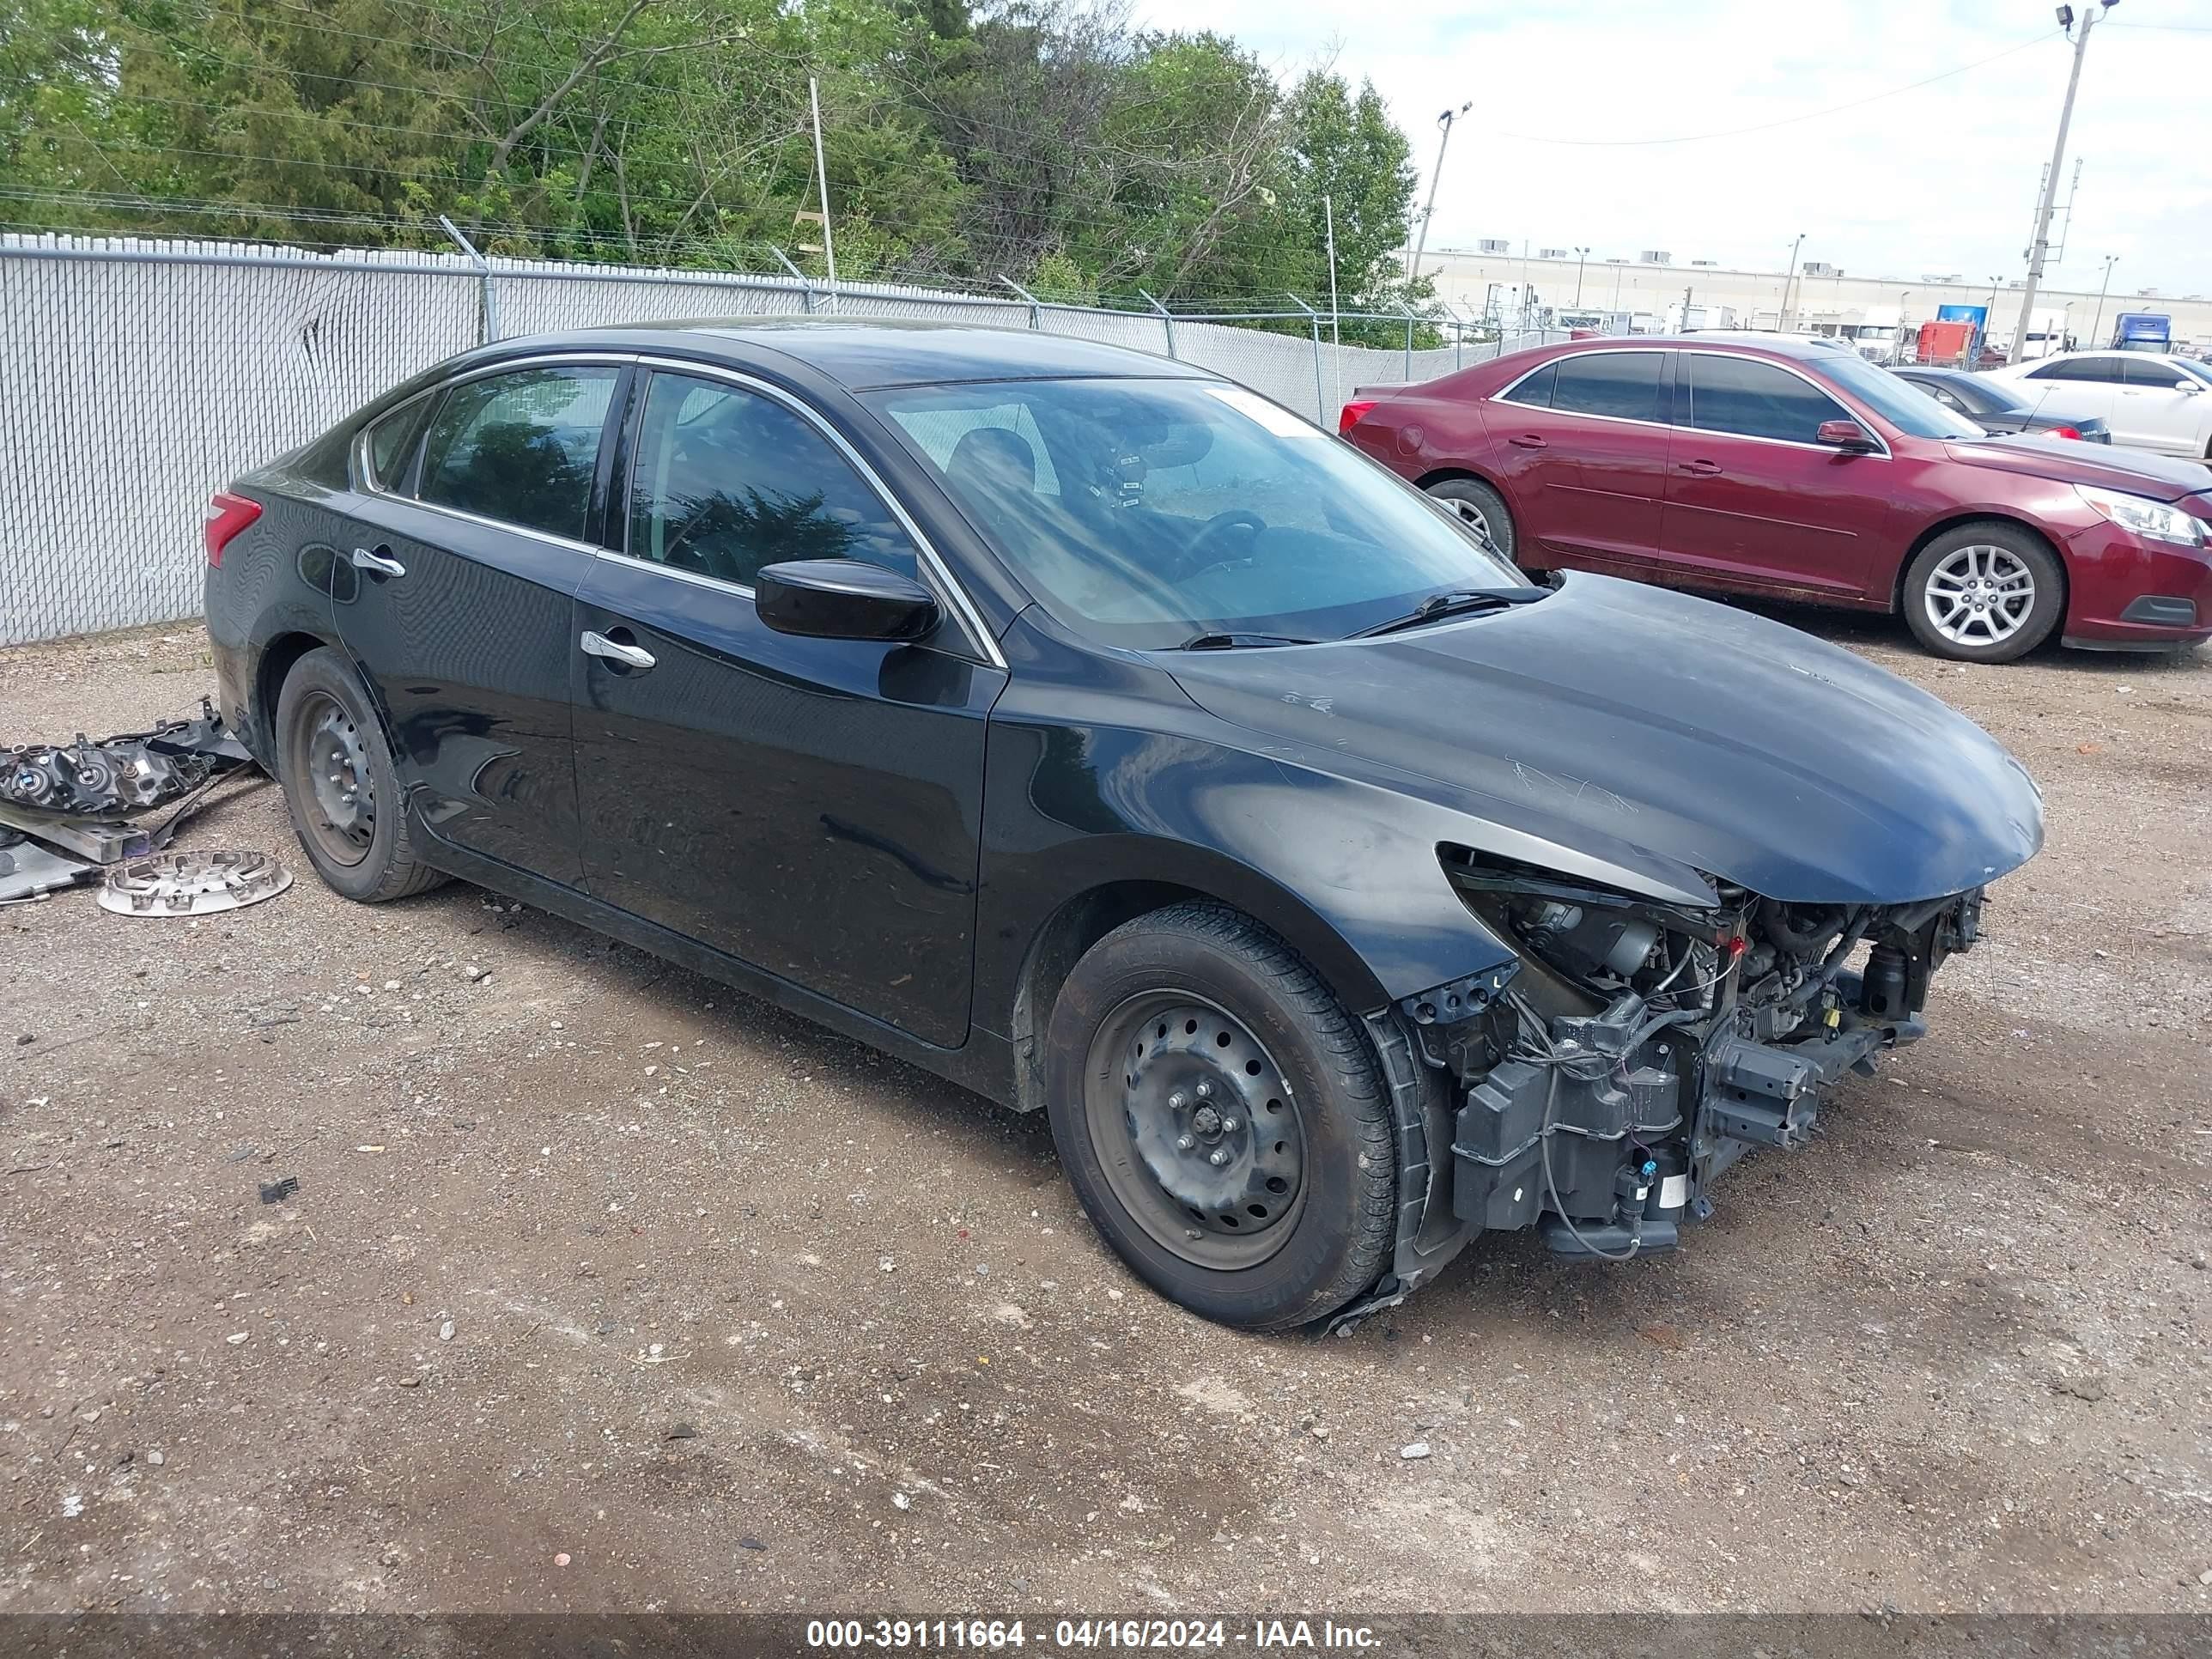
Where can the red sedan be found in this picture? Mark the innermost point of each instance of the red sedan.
(1759, 466)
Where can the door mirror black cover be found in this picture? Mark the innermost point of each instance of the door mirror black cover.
(843, 600)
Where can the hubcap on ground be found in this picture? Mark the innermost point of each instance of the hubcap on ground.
(333, 761)
(1198, 1130)
(1980, 595)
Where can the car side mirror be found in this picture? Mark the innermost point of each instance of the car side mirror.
(2188, 388)
(842, 599)
(1848, 435)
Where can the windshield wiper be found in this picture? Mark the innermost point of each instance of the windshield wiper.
(1454, 602)
(1236, 641)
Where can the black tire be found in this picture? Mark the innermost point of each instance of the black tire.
(329, 746)
(1476, 500)
(1301, 1116)
(1939, 586)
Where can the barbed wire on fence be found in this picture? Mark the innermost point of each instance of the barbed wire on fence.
(189, 362)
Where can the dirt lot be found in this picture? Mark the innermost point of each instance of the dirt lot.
(608, 1287)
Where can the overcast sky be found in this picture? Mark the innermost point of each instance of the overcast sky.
(1939, 178)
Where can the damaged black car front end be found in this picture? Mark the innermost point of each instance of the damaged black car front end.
(1636, 1049)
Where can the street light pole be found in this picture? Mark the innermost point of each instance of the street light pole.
(2096, 328)
(1789, 278)
(2039, 249)
(1580, 254)
(1445, 121)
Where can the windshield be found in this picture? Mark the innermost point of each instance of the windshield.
(1900, 403)
(2201, 371)
(1148, 512)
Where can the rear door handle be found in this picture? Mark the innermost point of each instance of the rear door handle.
(629, 656)
(1703, 469)
(378, 559)
(1528, 440)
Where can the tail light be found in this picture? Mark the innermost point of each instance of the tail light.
(1351, 415)
(2065, 431)
(226, 514)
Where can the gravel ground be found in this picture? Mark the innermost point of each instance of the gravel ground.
(607, 1288)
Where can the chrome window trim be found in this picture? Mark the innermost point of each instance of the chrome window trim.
(1881, 455)
(948, 588)
(365, 475)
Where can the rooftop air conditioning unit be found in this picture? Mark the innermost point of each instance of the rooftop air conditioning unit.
(1656, 256)
(1493, 245)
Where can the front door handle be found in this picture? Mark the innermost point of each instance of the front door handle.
(1528, 440)
(378, 560)
(1702, 468)
(629, 656)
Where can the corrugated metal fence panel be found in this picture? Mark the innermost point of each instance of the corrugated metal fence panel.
(133, 388)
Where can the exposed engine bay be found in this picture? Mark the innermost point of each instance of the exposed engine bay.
(1638, 1048)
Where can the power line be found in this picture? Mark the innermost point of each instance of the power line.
(1786, 121)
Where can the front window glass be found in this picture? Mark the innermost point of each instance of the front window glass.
(1147, 513)
(1758, 400)
(725, 481)
(521, 448)
(1905, 407)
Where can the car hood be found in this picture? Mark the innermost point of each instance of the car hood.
(2135, 470)
(1647, 731)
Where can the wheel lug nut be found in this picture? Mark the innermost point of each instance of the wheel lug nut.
(1177, 1101)
(1184, 1142)
(1219, 1157)
(1205, 1090)
(1228, 1126)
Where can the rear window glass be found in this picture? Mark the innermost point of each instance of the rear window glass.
(391, 443)
(1622, 383)
(521, 448)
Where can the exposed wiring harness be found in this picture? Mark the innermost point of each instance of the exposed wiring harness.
(1536, 1046)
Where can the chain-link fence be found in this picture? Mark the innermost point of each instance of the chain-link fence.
(139, 376)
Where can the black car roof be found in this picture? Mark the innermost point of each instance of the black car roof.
(862, 354)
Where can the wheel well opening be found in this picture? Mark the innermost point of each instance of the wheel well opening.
(279, 658)
(1074, 928)
(1960, 521)
(1444, 474)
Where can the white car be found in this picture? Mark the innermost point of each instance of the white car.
(2150, 400)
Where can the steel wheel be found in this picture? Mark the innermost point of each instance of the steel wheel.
(1217, 1171)
(1979, 595)
(328, 755)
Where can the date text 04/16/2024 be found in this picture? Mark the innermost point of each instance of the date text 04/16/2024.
(1087, 1635)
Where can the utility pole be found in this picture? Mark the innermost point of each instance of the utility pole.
(2038, 250)
(1580, 254)
(1328, 219)
(1443, 121)
(1788, 276)
(2096, 329)
(821, 182)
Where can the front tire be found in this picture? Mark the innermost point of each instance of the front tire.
(341, 788)
(1987, 591)
(1480, 506)
(1223, 1119)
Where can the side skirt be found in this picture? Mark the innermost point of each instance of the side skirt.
(984, 1063)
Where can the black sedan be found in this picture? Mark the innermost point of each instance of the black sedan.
(1089, 730)
(1996, 407)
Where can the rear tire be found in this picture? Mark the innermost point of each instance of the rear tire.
(1478, 503)
(1986, 592)
(341, 788)
(1223, 1119)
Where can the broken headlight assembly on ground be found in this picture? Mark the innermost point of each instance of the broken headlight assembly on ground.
(67, 809)
(1636, 1049)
